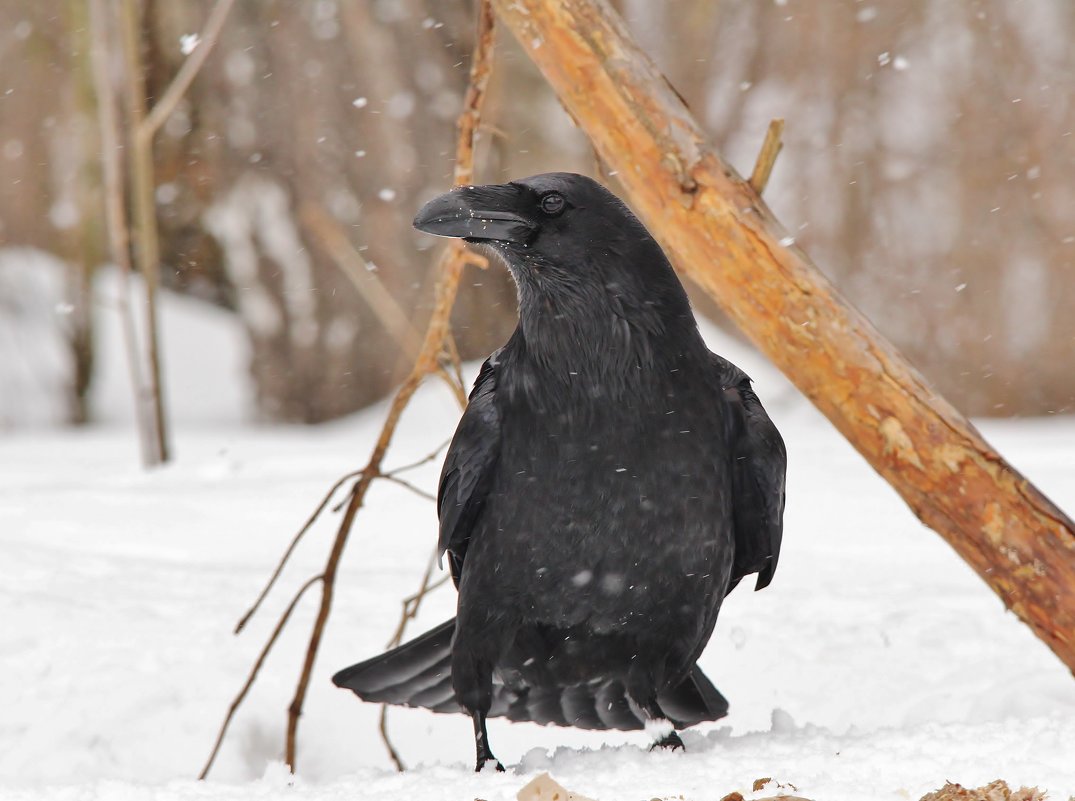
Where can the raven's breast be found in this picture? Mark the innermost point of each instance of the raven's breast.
(620, 525)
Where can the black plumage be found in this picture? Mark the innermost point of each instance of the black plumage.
(609, 483)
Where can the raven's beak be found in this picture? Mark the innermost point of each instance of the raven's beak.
(476, 213)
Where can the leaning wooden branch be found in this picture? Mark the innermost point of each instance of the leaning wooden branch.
(719, 232)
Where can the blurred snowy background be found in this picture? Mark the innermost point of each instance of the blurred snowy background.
(929, 169)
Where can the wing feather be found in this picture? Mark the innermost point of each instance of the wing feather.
(468, 468)
(759, 465)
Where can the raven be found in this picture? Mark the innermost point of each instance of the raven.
(610, 481)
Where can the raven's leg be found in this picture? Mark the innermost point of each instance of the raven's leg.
(472, 679)
(481, 744)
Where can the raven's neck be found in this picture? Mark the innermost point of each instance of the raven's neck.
(571, 350)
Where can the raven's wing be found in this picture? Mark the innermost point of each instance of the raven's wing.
(468, 468)
(759, 462)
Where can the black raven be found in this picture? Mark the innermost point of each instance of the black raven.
(609, 483)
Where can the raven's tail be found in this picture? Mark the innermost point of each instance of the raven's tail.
(419, 674)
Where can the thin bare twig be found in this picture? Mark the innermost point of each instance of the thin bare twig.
(457, 363)
(183, 79)
(411, 605)
(291, 548)
(429, 457)
(116, 215)
(449, 270)
(254, 673)
(408, 485)
(770, 149)
(382, 727)
(449, 273)
(455, 384)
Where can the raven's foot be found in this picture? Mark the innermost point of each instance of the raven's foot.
(663, 733)
(484, 762)
(670, 742)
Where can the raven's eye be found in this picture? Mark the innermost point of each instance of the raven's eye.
(552, 203)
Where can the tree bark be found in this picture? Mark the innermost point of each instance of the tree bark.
(718, 232)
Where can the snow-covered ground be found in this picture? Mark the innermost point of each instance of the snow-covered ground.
(876, 665)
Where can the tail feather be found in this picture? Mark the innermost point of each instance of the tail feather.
(405, 674)
(418, 674)
(693, 700)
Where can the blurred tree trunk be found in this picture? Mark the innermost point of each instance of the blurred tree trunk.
(927, 163)
(85, 242)
(345, 108)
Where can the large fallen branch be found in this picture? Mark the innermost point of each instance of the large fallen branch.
(719, 232)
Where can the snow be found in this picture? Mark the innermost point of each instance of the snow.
(35, 358)
(875, 666)
(205, 359)
(189, 41)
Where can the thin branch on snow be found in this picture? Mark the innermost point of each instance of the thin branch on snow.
(411, 605)
(254, 672)
(325, 501)
(429, 457)
(294, 543)
(449, 272)
(382, 727)
(434, 347)
(408, 485)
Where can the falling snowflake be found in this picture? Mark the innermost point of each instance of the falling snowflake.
(187, 43)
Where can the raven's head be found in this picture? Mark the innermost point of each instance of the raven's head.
(569, 243)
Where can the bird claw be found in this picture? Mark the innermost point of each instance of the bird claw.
(670, 742)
